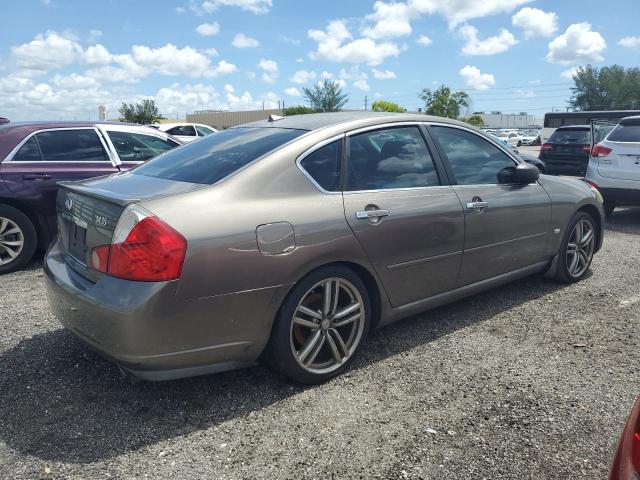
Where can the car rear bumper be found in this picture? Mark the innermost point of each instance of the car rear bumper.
(615, 190)
(146, 329)
(575, 166)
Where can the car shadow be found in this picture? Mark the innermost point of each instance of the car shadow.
(624, 220)
(62, 402)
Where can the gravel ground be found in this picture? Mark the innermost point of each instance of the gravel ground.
(532, 380)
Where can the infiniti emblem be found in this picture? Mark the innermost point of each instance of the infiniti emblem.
(68, 203)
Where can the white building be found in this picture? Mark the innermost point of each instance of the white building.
(102, 112)
(508, 120)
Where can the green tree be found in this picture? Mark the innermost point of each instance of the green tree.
(385, 106)
(607, 88)
(298, 110)
(475, 120)
(144, 112)
(442, 102)
(326, 96)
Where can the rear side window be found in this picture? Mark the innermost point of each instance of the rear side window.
(29, 152)
(570, 137)
(81, 145)
(217, 156)
(390, 158)
(137, 147)
(323, 165)
(184, 130)
(204, 131)
(625, 133)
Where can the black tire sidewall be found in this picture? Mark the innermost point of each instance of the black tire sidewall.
(278, 352)
(563, 272)
(30, 238)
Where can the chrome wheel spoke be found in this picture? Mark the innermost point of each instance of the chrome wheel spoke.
(3, 226)
(335, 335)
(12, 243)
(574, 262)
(586, 238)
(334, 349)
(311, 313)
(305, 323)
(346, 321)
(312, 343)
(580, 248)
(347, 310)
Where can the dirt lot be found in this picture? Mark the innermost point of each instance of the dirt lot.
(532, 380)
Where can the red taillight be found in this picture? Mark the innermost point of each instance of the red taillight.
(151, 252)
(546, 147)
(593, 184)
(586, 149)
(600, 151)
(626, 463)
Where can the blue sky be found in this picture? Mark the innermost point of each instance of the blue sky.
(61, 59)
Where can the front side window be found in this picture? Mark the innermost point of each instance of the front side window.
(81, 145)
(182, 130)
(474, 160)
(137, 147)
(29, 152)
(213, 158)
(204, 131)
(323, 165)
(390, 158)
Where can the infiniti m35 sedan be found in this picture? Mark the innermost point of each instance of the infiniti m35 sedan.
(290, 239)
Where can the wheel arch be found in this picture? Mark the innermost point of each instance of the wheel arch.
(597, 218)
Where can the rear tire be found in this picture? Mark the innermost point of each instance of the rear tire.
(317, 334)
(577, 248)
(18, 239)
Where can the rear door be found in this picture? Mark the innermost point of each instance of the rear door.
(506, 225)
(623, 162)
(49, 156)
(135, 145)
(401, 209)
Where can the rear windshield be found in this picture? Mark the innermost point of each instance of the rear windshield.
(215, 156)
(570, 136)
(625, 133)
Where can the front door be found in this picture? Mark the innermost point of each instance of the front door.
(51, 156)
(409, 223)
(506, 225)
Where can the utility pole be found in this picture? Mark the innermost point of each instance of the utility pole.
(365, 102)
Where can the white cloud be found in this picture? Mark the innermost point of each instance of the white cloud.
(208, 29)
(94, 36)
(292, 92)
(46, 52)
(212, 52)
(357, 78)
(171, 60)
(488, 46)
(269, 70)
(228, 88)
(326, 75)
(362, 85)
(97, 55)
(569, 73)
(289, 40)
(247, 102)
(392, 20)
(526, 93)
(383, 74)
(576, 45)
(475, 79)
(302, 76)
(629, 42)
(299, 60)
(74, 81)
(210, 6)
(337, 45)
(459, 11)
(242, 41)
(424, 40)
(535, 22)
(179, 98)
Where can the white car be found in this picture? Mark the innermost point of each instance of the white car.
(528, 138)
(614, 165)
(185, 132)
(512, 138)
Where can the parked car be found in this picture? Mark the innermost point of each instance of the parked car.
(504, 142)
(34, 156)
(533, 160)
(265, 241)
(567, 150)
(528, 138)
(185, 132)
(512, 138)
(626, 462)
(614, 166)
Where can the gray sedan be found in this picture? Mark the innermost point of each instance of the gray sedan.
(290, 239)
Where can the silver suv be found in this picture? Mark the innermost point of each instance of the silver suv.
(614, 165)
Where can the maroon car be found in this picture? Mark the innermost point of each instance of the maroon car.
(626, 463)
(34, 156)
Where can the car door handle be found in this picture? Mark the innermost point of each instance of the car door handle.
(477, 206)
(36, 176)
(365, 214)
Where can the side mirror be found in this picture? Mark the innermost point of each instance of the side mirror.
(526, 173)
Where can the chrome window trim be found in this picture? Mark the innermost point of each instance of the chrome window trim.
(9, 158)
(158, 134)
(414, 123)
(386, 190)
(308, 152)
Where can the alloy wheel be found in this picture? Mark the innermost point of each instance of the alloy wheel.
(11, 241)
(327, 325)
(580, 248)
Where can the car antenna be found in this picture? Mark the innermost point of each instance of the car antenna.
(274, 118)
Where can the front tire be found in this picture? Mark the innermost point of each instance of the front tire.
(578, 246)
(320, 326)
(18, 239)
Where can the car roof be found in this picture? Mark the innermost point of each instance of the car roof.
(631, 121)
(316, 121)
(574, 127)
(36, 124)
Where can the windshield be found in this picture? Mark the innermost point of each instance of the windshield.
(570, 136)
(214, 157)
